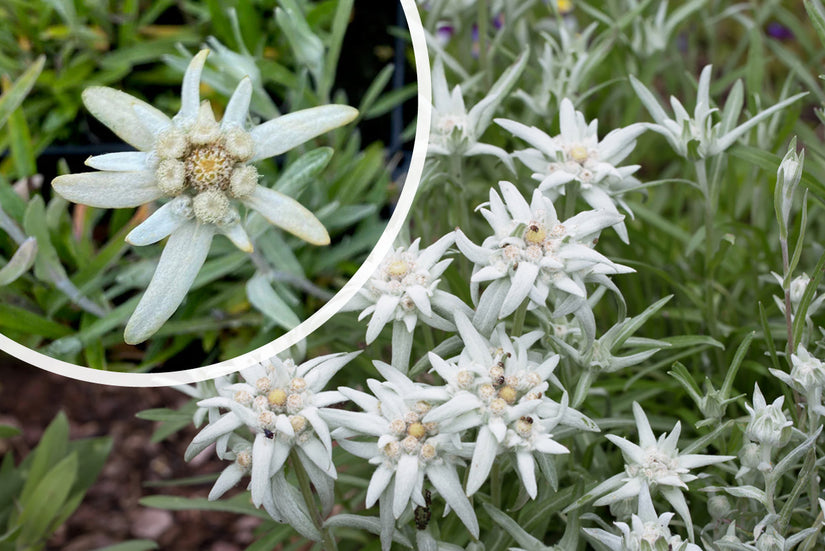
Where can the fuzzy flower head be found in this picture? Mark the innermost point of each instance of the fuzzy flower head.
(455, 130)
(768, 424)
(537, 256)
(497, 386)
(279, 402)
(202, 170)
(700, 136)
(577, 155)
(646, 532)
(807, 376)
(654, 464)
(405, 447)
(404, 289)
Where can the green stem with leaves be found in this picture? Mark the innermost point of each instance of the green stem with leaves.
(328, 541)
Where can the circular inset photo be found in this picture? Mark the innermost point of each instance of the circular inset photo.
(188, 183)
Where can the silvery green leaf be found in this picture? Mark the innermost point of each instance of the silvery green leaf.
(293, 507)
(334, 216)
(525, 540)
(749, 492)
(790, 459)
(20, 262)
(180, 262)
(360, 522)
(264, 298)
(308, 48)
(303, 170)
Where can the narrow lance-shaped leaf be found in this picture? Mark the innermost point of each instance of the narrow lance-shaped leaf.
(14, 96)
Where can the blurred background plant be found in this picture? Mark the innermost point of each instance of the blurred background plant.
(85, 279)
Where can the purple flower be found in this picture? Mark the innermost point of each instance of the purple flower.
(779, 31)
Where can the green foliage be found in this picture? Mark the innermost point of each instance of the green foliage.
(85, 280)
(40, 493)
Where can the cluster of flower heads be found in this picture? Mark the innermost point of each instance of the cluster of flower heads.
(202, 169)
(276, 411)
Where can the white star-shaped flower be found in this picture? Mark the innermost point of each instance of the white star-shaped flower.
(497, 387)
(699, 136)
(646, 531)
(535, 255)
(653, 464)
(280, 403)
(577, 155)
(456, 131)
(202, 169)
(405, 289)
(405, 448)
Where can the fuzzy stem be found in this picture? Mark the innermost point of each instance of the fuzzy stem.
(786, 286)
(327, 542)
(457, 178)
(483, 29)
(518, 319)
(495, 485)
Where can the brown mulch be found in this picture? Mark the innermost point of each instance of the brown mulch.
(110, 513)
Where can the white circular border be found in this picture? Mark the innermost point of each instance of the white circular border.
(382, 247)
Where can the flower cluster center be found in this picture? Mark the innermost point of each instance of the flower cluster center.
(209, 167)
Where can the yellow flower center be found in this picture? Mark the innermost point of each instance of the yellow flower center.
(209, 167)
(276, 397)
(417, 430)
(397, 269)
(508, 394)
(578, 153)
(565, 6)
(535, 234)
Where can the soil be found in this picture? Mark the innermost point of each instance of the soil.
(110, 513)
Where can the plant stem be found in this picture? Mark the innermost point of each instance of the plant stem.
(457, 177)
(710, 211)
(483, 29)
(327, 542)
(786, 286)
(518, 319)
(495, 484)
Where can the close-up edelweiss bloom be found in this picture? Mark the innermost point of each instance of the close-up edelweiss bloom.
(653, 464)
(646, 532)
(577, 155)
(455, 130)
(536, 256)
(499, 387)
(280, 403)
(404, 447)
(405, 289)
(202, 169)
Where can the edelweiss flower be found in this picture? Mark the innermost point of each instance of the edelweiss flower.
(699, 137)
(497, 387)
(534, 255)
(645, 533)
(455, 131)
(653, 464)
(797, 289)
(279, 403)
(565, 66)
(404, 289)
(577, 155)
(807, 376)
(202, 168)
(407, 450)
(768, 424)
